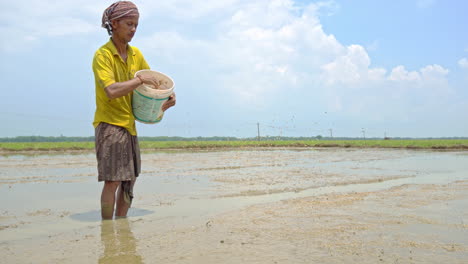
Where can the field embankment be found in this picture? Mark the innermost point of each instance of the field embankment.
(437, 144)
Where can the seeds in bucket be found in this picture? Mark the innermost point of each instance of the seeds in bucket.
(162, 85)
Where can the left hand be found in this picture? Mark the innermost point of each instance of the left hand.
(169, 103)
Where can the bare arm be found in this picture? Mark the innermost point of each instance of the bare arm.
(120, 89)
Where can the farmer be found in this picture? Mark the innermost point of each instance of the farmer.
(114, 67)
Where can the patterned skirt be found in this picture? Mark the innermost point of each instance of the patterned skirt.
(117, 153)
(118, 156)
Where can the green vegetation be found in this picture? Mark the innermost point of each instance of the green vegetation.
(154, 145)
(46, 145)
(46, 139)
(414, 143)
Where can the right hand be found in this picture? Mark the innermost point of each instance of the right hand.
(149, 80)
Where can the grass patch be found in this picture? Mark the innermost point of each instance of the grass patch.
(409, 144)
(46, 146)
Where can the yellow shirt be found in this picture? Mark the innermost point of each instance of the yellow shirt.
(109, 68)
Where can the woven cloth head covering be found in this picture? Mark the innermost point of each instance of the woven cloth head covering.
(118, 10)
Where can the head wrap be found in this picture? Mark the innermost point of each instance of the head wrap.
(118, 10)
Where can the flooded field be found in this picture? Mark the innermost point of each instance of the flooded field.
(242, 206)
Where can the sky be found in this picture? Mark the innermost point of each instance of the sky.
(349, 68)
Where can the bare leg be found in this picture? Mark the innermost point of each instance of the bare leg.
(108, 199)
(122, 207)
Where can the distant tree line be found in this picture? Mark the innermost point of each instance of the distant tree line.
(85, 139)
(164, 138)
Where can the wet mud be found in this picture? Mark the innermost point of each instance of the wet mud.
(252, 206)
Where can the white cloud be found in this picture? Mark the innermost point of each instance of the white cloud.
(263, 45)
(265, 48)
(376, 74)
(30, 21)
(427, 74)
(463, 63)
(350, 68)
(185, 10)
(254, 51)
(431, 72)
(399, 73)
(265, 38)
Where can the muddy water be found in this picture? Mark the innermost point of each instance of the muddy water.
(255, 206)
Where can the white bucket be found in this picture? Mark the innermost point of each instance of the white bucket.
(147, 101)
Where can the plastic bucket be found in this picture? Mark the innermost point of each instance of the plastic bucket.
(147, 101)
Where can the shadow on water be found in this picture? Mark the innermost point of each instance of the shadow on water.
(119, 244)
(95, 215)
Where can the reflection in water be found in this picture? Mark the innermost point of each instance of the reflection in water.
(118, 242)
(95, 215)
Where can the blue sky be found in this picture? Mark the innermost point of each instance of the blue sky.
(298, 68)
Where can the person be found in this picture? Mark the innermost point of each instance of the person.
(116, 143)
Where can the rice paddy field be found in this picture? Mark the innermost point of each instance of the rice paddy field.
(241, 202)
(459, 144)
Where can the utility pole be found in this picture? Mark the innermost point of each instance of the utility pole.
(258, 131)
(331, 132)
(363, 133)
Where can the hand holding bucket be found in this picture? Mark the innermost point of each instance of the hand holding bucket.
(148, 99)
